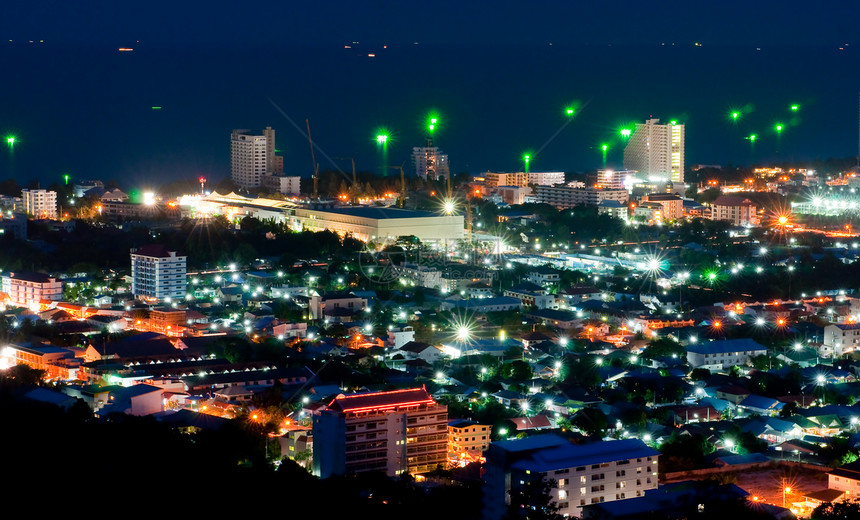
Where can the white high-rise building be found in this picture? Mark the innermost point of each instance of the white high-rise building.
(40, 203)
(157, 273)
(251, 157)
(656, 151)
(429, 163)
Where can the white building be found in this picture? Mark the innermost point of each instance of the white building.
(546, 178)
(582, 473)
(40, 203)
(563, 197)
(657, 151)
(27, 289)
(157, 273)
(378, 224)
(281, 184)
(251, 157)
(840, 338)
(429, 163)
(719, 355)
(615, 179)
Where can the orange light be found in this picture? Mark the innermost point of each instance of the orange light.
(717, 324)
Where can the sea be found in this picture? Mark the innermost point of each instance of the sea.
(152, 115)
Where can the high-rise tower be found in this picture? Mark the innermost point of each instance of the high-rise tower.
(657, 151)
(251, 156)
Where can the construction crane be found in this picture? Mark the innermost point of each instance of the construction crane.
(313, 159)
(402, 183)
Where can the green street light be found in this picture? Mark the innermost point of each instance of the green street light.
(794, 108)
(625, 132)
(10, 140)
(752, 138)
(605, 147)
(569, 111)
(381, 139)
(778, 127)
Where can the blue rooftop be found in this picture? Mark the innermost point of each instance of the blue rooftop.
(725, 346)
(551, 452)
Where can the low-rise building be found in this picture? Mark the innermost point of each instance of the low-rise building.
(673, 205)
(565, 197)
(840, 338)
(739, 211)
(28, 289)
(580, 474)
(718, 355)
(40, 203)
(467, 441)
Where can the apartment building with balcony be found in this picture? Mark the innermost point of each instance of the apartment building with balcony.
(395, 432)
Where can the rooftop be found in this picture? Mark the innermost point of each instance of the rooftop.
(153, 251)
(379, 213)
(379, 401)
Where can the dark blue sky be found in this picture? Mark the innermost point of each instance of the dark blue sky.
(750, 22)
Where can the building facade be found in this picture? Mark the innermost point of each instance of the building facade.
(494, 180)
(251, 157)
(656, 151)
(157, 273)
(615, 179)
(40, 203)
(429, 162)
(737, 210)
(579, 474)
(673, 206)
(565, 197)
(546, 178)
(396, 432)
(467, 440)
(378, 224)
(717, 355)
(842, 337)
(26, 289)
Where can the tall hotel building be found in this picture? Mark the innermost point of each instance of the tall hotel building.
(429, 162)
(251, 157)
(394, 432)
(656, 151)
(157, 273)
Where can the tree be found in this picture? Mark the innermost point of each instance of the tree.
(533, 501)
(844, 509)
(700, 374)
(590, 420)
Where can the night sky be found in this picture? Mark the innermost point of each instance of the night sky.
(498, 73)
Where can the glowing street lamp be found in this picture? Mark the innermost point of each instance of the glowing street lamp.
(625, 132)
(10, 141)
(381, 139)
(526, 159)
